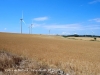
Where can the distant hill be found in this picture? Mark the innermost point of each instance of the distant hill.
(81, 35)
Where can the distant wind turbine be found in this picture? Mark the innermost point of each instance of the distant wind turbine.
(21, 22)
(49, 32)
(92, 33)
(31, 26)
(29, 29)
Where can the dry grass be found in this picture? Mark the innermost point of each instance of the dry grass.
(76, 57)
(16, 65)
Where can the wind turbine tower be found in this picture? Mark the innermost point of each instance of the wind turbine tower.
(31, 28)
(21, 22)
(49, 32)
(21, 25)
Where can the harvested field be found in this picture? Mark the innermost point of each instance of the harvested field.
(76, 57)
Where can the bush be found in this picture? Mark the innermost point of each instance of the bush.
(95, 38)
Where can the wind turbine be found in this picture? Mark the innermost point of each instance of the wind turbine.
(85, 34)
(49, 32)
(21, 22)
(31, 26)
(92, 33)
(29, 29)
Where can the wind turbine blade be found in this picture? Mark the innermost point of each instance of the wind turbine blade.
(24, 22)
(22, 14)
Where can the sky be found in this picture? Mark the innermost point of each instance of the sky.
(63, 17)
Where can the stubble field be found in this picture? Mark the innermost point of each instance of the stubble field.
(78, 57)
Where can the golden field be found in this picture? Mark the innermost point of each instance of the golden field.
(77, 56)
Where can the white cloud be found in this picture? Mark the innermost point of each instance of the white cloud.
(63, 33)
(5, 28)
(36, 25)
(33, 25)
(41, 19)
(96, 20)
(66, 26)
(72, 27)
(94, 1)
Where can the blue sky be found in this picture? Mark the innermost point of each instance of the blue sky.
(58, 16)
